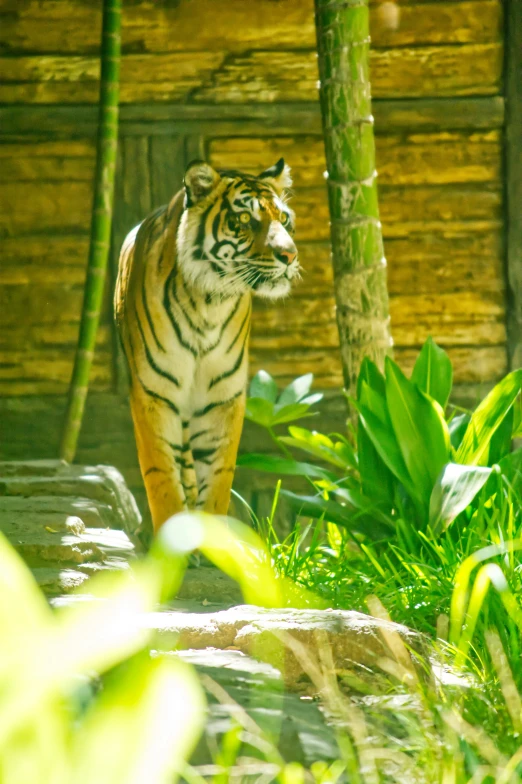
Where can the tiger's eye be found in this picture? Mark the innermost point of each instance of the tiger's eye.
(283, 218)
(244, 217)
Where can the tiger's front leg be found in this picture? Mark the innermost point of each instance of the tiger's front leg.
(160, 446)
(214, 441)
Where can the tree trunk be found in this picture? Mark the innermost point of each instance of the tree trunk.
(357, 251)
(100, 225)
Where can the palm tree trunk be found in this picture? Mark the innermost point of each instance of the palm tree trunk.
(357, 251)
(100, 225)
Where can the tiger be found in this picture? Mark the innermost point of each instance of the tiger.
(186, 277)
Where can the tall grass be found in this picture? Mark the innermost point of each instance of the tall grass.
(447, 565)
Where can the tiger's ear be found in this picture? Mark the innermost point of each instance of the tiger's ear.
(278, 176)
(200, 180)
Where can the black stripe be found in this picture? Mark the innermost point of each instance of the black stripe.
(150, 358)
(147, 313)
(199, 433)
(154, 470)
(194, 306)
(224, 471)
(217, 220)
(223, 327)
(155, 396)
(183, 463)
(175, 325)
(210, 406)
(203, 455)
(191, 324)
(247, 316)
(187, 292)
(217, 269)
(201, 228)
(178, 448)
(233, 370)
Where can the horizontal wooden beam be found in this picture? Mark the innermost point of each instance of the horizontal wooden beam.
(72, 26)
(247, 119)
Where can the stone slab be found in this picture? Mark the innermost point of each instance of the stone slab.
(55, 477)
(351, 636)
(67, 522)
(293, 725)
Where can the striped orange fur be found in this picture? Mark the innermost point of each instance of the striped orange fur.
(183, 305)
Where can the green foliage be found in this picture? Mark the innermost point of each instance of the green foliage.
(433, 373)
(422, 516)
(491, 415)
(395, 726)
(144, 723)
(426, 514)
(339, 453)
(455, 488)
(414, 465)
(136, 730)
(265, 408)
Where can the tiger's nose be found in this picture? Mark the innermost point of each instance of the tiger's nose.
(286, 256)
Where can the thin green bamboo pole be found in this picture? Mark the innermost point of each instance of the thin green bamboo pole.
(343, 43)
(100, 225)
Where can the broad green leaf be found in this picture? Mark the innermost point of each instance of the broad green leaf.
(517, 419)
(372, 376)
(91, 636)
(320, 446)
(348, 517)
(511, 468)
(375, 419)
(263, 386)
(457, 427)
(283, 466)
(144, 727)
(296, 391)
(454, 490)
(290, 413)
(260, 411)
(311, 399)
(500, 444)
(238, 551)
(433, 373)
(344, 449)
(98, 634)
(377, 480)
(420, 429)
(462, 584)
(41, 751)
(487, 418)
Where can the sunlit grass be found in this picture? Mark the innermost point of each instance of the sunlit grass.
(462, 590)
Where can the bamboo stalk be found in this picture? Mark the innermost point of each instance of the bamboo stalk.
(100, 225)
(359, 265)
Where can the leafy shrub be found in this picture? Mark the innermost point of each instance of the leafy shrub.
(415, 459)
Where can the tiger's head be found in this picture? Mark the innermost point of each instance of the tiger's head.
(235, 232)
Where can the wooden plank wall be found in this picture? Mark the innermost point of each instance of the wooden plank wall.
(237, 82)
(441, 187)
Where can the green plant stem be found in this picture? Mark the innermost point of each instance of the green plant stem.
(281, 446)
(359, 265)
(100, 225)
